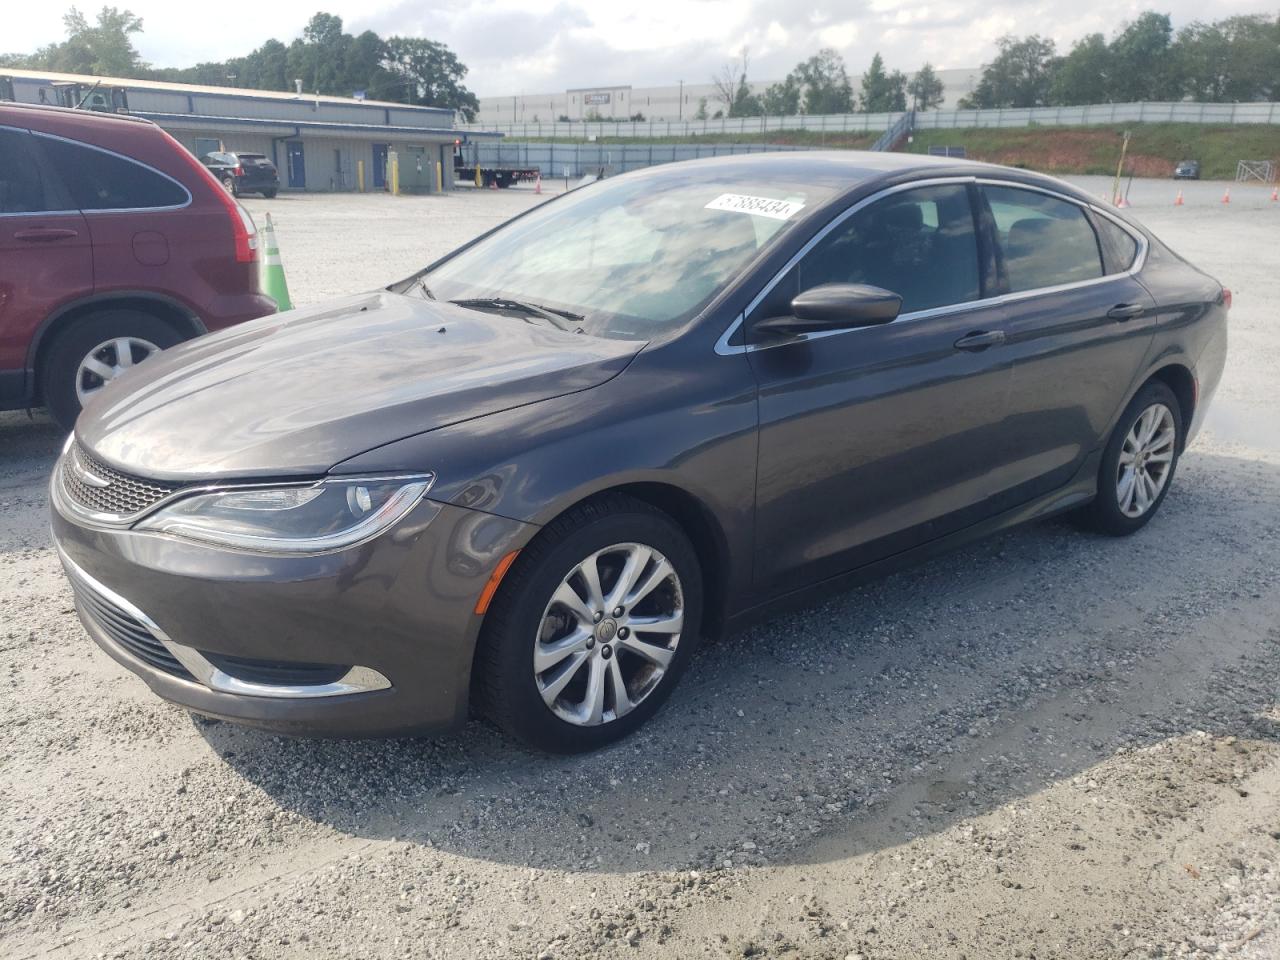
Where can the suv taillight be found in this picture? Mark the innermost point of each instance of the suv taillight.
(243, 229)
(238, 171)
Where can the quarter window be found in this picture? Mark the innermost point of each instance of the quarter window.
(1119, 249)
(103, 181)
(920, 244)
(20, 188)
(1045, 241)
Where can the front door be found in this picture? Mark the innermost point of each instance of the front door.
(297, 165)
(874, 440)
(380, 166)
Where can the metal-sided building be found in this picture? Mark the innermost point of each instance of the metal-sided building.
(317, 142)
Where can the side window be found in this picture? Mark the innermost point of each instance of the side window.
(1045, 241)
(20, 188)
(920, 244)
(1119, 249)
(104, 181)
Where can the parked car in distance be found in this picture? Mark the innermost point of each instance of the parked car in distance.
(114, 243)
(528, 479)
(241, 173)
(1187, 170)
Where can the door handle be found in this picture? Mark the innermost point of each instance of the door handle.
(980, 340)
(1126, 311)
(45, 234)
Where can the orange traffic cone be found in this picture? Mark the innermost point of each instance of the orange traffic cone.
(1226, 196)
(537, 184)
(1177, 201)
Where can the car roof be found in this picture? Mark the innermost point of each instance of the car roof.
(18, 113)
(848, 171)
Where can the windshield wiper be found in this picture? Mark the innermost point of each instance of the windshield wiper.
(556, 318)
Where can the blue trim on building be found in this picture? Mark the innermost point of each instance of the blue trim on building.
(370, 128)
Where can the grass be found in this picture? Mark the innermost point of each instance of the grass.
(1153, 149)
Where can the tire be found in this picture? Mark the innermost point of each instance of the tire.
(525, 618)
(71, 346)
(270, 194)
(1113, 511)
(229, 184)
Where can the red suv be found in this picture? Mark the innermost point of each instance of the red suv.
(115, 242)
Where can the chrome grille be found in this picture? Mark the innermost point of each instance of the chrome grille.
(128, 632)
(93, 485)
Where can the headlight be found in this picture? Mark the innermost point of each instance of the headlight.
(313, 518)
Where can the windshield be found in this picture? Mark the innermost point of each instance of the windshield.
(633, 257)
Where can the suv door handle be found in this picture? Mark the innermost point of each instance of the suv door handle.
(45, 234)
(980, 340)
(1126, 311)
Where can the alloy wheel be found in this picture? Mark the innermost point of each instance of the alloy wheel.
(1145, 460)
(608, 634)
(107, 361)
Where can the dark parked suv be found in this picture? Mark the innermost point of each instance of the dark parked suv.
(242, 173)
(114, 243)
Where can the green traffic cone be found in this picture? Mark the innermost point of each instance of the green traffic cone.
(272, 270)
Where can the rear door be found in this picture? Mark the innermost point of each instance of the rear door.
(45, 253)
(1079, 326)
(874, 440)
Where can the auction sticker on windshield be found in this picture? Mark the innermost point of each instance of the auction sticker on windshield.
(756, 206)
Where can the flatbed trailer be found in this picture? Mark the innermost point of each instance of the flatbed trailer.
(468, 170)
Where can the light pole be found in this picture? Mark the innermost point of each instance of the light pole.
(680, 100)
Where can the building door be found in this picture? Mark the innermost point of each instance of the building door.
(380, 166)
(297, 165)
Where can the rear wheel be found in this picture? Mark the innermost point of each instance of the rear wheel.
(229, 184)
(591, 628)
(1138, 463)
(93, 351)
(270, 194)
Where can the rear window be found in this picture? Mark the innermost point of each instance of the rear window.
(20, 188)
(1046, 242)
(97, 180)
(252, 157)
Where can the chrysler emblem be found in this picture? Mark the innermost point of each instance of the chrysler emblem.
(86, 476)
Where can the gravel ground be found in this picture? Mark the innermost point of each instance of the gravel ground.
(1047, 745)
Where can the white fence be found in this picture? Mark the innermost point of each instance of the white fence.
(1102, 113)
(580, 159)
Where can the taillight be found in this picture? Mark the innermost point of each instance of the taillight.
(238, 171)
(243, 230)
(1226, 298)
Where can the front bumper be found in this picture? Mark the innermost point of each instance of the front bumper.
(397, 613)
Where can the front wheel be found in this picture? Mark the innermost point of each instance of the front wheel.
(592, 627)
(1138, 463)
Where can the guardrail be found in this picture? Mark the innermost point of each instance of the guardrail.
(879, 123)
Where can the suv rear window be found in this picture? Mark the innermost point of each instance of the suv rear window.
(97, 180)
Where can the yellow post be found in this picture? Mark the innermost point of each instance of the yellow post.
(439, 178)
(478, 174)
(395, 175)
(360, 175)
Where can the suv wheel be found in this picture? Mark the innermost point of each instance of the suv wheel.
(591, 628)
(1138, 463)
(229, 183)
(270, 194)
(93, 351)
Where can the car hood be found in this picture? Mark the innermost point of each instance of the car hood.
(295, 393)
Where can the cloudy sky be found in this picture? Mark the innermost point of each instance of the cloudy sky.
(513, 46)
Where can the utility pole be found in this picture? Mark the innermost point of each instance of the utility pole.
(681, 100)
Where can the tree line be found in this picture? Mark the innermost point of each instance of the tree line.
(822, 84)
(1236, 59)
(325, 58)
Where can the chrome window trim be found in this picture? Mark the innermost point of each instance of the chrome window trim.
(358, 679)
(724, 348)
(120, 156)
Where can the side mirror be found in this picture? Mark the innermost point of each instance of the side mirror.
(835, 306)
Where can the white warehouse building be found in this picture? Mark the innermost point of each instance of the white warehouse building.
(674, 102)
